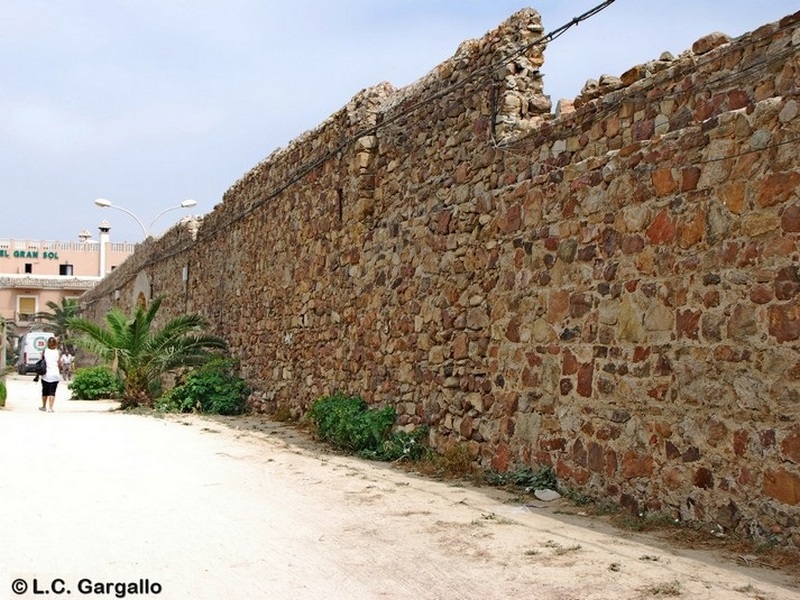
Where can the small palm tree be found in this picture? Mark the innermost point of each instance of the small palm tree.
(59, 316)
(141, 355)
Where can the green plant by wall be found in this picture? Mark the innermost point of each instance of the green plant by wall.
(348, 423)
(544, 478)
(212, 388)
(3, 393)
(93, 383)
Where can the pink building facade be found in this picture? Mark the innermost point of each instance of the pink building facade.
(33, 273)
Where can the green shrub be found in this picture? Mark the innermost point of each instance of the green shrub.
(348, 423)
(212, 388)
(3, 393)
(93, 383)
(401, 445)
(544, 478)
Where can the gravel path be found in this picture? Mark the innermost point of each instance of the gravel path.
(185, 507)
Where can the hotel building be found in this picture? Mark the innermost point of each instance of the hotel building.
(33, 273)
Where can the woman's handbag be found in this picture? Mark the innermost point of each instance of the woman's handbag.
(41, 366)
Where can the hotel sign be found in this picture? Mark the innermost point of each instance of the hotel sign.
(29, 254)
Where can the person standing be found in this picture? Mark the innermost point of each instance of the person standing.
(52, 358)
(66, 365)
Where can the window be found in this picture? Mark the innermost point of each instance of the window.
(29, 267)
(65, 269)
(26, 308)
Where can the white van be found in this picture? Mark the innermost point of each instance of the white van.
(29, 351)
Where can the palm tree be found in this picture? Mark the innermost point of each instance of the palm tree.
(59, 317)
(139, 354)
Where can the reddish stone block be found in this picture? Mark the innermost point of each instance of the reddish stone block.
(632, 244)
(787, 283)
(662, 229)
(711, 299)
(663, 366)
(761, 294)
(563, 470)
(501, 458)
(688, 324)
(557, 306)
(511, 219)
(579, 305)
(585, 377)
(738, 99)
(596, 457)
(580, 476)
(443, 222)
(689, 178)
(790, 219)
(794, 372)
(790, 447)
(745, 477)
(569, 363)
(530, 378)
(691, 232)
(635, 465)
(671, 450)
(767, 438)
(784, 321)
(692, 454)
(579, 454)
(640, 353)
(782, 485)
(703, 478)
(553, 444)
(732, 195)
(611, 462)
(777, 187)
(663, 182)
(741, 438)
(512, 331)
(565, 386)
(643, 130)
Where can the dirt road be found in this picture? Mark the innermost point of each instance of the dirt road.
(96, 503)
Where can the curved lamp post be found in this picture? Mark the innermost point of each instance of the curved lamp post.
(103, 203)
(184, 204)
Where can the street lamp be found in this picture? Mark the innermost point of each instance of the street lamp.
(184, 204)
(103, 203)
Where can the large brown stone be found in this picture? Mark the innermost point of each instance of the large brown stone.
(662, 229)
(782, 485)
(708, 42)
(635, 465)
(585, 379)
(784, 321)
(790, 219)
(777, 187)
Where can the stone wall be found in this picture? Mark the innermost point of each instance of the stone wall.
(612, 291)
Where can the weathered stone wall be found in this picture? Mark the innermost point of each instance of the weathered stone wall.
(612, 291)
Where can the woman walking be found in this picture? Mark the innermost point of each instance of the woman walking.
(52, 358)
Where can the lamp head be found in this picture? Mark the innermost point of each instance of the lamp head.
(188, 203)
(103, 203)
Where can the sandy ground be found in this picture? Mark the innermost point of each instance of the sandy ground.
(186, 507)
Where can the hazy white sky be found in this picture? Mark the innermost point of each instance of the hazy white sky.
(150, 102)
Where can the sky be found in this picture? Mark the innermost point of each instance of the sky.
(147, 103)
